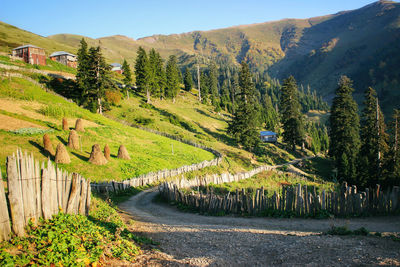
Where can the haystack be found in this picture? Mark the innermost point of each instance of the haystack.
(48, 147)
(107, 153)
(73, 140)
(62, 154)
(123, 153)
(65, 124)
(96, 157)
(79, 126)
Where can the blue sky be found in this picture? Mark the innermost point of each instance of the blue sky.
(98, 18)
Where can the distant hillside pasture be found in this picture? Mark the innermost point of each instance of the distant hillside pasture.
(149, 152)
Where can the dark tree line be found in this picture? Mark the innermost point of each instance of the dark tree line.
(153, 78)
(364, 151)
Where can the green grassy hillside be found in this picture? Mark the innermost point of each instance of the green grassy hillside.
(25, 105)
(362, 44)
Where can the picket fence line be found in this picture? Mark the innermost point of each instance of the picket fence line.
(36, 191)
(154, 177)
(150, 178)
(293, 200)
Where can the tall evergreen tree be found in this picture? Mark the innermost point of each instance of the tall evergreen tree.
(244, 126)
(291, 117)
(204, 90)
(127, 76)
(172, 81)
(142, 72)
(82, 75)
(344, 135)
(188, 80)
(393, 162)
(269, 114)
(98, 80)
(213, 84)
(374, 140)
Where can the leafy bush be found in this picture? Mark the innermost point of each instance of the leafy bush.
(113, 97)
(73, 240)
(30, 131)
(143, 120)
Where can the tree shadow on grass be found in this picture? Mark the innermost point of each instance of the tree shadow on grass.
(222, 137)
(81, 157)
(208, 115)
(62, 140)
(41, 149)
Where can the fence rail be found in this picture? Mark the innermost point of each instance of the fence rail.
(151, 178)
(36, 191)
(297, 200)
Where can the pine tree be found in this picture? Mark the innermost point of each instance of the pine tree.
(82, 75)
(204, 90)
(142, 72)
(374, 140)
(127, 76)
(172, 81)
(344, 135)
(291, 117)
(213, 84)
(188, 80)
(393, 162)
(245, 123)
(269, 114)
(98, 80)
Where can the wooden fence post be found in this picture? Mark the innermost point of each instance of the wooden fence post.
(15, 197)
(5, 227)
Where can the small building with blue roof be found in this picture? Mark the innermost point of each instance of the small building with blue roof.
(268, 136)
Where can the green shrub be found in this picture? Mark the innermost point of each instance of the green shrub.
(30, 131)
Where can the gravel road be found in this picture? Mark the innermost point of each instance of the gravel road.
(188, 239)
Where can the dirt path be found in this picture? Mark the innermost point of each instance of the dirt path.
(196, 240)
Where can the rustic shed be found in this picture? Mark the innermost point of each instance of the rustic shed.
(30, 54)
(268, 136)
(116, 67)
(65, 58)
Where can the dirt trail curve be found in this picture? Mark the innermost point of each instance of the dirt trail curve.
(195, 240)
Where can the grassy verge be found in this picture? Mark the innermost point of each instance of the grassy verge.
(149, 152)
(74, 240)
(271, 181)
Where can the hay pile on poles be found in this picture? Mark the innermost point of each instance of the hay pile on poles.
(48, 147)
(96, 157)
(73, 140)
(123, 153)
(65, 124)
(79, 125)
(62, 154)
(107, 152)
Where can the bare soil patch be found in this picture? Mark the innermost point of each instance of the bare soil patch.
(188, 239)
(31, 109)
(9, 123)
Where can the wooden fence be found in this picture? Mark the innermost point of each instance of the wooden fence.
(151, 177)
(294, 200)
(36, 191)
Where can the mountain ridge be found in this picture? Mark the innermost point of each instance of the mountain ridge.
(316, 51)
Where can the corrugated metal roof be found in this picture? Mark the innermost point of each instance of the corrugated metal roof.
(267, 133)
(60, 53)
(25, 46)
